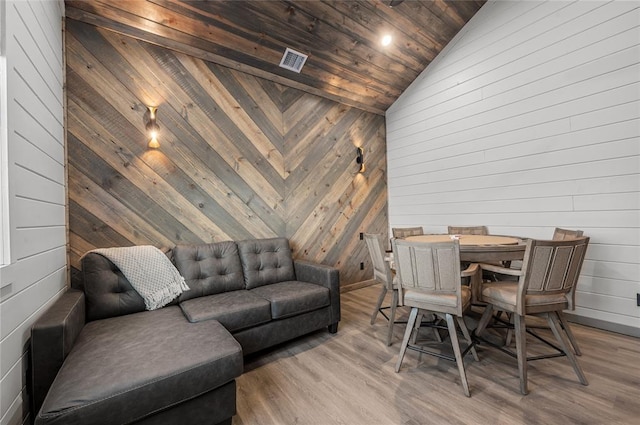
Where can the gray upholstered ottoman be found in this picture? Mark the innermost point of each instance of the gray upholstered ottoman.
(133, 368)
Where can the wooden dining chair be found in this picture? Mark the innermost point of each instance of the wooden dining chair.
(467, 230)
(562, 234)
(546, 286)
(383, 274)
(403, 232)
(430, 283)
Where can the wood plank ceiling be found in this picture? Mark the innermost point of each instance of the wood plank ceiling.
(347, 62)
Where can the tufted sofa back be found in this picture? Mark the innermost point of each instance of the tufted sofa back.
(266, 261)
(209, 269)
(108, 293)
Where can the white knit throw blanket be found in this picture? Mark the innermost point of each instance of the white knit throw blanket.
(149, 271)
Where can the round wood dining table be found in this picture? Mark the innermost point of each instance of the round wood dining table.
(481, 248)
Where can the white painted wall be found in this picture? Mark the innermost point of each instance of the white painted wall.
(35, 270)
(530, 119)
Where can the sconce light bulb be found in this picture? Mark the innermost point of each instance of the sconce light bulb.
(360, 159)
(386, 40)
(152, 127)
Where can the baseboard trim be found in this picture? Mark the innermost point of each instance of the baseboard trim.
(601, 324)
(357, 285)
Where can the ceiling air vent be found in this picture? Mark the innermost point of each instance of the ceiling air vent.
(293, 60)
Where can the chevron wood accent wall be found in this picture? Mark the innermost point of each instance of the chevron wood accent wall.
(240, 157)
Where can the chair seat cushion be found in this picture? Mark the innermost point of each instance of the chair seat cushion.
(505, 294)
(125, 368)
(236, 310)
(431, 300)
(293, 297)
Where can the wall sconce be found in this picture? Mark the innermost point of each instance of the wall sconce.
(153, 128)
(360, 159)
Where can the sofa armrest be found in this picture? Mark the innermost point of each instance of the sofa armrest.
(326, 276)
(52, 337)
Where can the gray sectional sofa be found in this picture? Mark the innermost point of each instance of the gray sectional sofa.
(98, 357)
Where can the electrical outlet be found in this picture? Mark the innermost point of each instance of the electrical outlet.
(362, 268)
(361, 236)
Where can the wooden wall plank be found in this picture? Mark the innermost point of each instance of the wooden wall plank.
(110, 210)
(181, 123)
(159, 205)
(226, 92)
(93, 229)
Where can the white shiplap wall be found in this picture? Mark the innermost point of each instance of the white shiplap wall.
(530, 120)
(36, 272)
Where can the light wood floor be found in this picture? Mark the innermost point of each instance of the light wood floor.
(348, 378)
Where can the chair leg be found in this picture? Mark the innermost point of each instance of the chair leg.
(467, 336)
(431, 317)
(509, 336)
(407, 334)
(436, 332)
(567, 329)
(416, 326)
(521, 350)
(484, 320)
(392, 316)
(554, 324)
(378, 304)
(456, 350)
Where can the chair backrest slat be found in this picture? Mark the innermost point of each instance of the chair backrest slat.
(576, 265)
(553, 266)
(562, 234)
(381, 269)
(433, 267)
(467, 230)
(403, 232)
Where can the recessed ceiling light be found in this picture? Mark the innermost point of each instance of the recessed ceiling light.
(386, 40)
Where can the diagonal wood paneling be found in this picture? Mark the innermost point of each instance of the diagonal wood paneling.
(240, 157)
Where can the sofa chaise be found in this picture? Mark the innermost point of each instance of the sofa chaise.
(99, 357)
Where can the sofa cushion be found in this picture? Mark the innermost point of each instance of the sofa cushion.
(125, 368)
(209, 269)
(293, 297)
(266, 261)
(235, 310)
